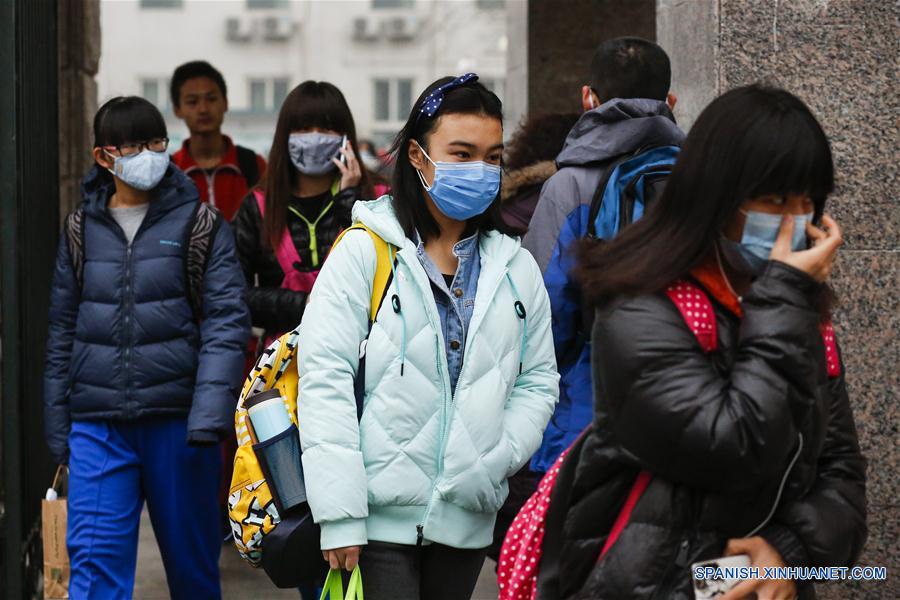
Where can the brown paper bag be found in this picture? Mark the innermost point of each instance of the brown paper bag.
(56, 558)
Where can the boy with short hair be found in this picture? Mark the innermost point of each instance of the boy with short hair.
(627, 106)
(222, 170)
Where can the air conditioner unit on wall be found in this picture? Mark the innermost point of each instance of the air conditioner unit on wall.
(402, 28)
(238, 29)
(364, 29)
(278, 28)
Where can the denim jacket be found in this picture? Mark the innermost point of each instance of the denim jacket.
(456, 303)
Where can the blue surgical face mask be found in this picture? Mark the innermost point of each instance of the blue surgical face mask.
(312, 152)
(462, 190)
(760, 233)
(141, 171)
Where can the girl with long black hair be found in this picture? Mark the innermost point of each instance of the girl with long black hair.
(285, 228)
(460, 376)
(747, 438)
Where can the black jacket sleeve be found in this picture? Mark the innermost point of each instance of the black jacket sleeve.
(827, 526)
(668, 407)
(272, 307)
(64, 299)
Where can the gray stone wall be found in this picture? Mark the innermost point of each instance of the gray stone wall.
(79, 55)
(841, 57)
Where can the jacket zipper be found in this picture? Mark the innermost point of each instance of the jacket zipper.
(680, 558)
(442, 444)
(128, 297)
(445, 377)
(312, 227)
(211, 186)
(445, 413)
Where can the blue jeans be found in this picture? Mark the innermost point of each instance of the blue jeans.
(113, 468)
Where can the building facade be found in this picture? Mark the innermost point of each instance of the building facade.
(380, 53)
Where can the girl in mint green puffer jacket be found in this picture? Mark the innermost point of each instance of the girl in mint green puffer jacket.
(460, 372)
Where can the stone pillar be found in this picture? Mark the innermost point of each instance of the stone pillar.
(841, 57)
(79, 56)
(559, 42)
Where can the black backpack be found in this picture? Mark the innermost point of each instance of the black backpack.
(246, 159)
(199, 236)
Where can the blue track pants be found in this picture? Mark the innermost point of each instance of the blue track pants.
(113, 468)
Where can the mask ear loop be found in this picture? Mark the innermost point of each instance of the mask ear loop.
(114, 159)
(419, 172)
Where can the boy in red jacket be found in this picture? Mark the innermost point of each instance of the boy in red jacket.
(222, 171)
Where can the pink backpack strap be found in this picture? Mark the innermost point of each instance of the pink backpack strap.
(637, 489)
(287, 256)
(832, 360)
(381, 189)
(697, 312)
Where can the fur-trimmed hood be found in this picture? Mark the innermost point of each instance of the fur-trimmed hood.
(514, 181)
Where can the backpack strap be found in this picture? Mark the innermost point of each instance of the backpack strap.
(646, 170)
(634, 494)
(246, 159)
(696, 310)
(74, 229)
(385, 256)
(286, 253)
(832, 358)
(204, 223)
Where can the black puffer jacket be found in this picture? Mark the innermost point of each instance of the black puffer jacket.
(271, 307)
(718, 432)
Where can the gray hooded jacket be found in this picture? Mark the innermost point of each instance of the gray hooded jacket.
(600, 136)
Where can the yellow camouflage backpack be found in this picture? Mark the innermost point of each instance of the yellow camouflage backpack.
(251, 507)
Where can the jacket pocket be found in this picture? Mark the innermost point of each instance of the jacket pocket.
(473, 479)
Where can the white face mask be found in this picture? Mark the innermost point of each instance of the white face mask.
(141, 171)
(591, 100)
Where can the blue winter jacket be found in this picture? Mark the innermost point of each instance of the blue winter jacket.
(620, 126)
(127, 345)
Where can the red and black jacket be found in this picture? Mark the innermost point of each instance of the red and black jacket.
(225, 185)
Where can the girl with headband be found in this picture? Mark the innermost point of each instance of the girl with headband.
(460, 378)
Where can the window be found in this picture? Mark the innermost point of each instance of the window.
(161, 3)
(268, 3)
(156, 90)
(257, 95)
(490, 4)
(382, 100)
(393, 99)
(404, 98)
(267, 95)
(279, 92)
(393, 3)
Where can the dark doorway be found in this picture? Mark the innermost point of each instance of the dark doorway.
(29, 226)
(561, 41)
